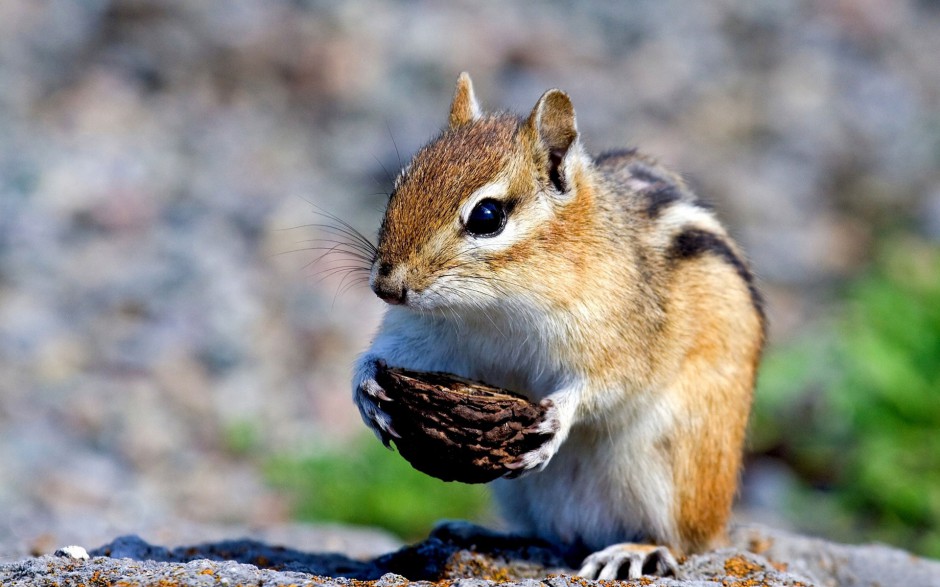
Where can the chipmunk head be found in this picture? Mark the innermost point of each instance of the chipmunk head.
(477, 205)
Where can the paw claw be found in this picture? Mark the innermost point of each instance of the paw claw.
(538, 459)
(547, 426)
(533, 460)
(629, 561)
(367, 394)
(373, 389)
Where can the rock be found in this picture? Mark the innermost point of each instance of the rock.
(73, 552)
(759, 556)
(828, 563)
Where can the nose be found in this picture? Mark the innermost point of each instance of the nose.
(387, 287)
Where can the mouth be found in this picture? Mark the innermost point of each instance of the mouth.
(396, 298)
(416, 301)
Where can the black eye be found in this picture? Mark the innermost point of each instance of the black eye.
(487, 218)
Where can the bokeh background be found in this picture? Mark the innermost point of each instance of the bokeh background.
(171, 352)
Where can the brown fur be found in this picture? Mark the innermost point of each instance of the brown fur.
(707, 448)
(463, 109)
(440, 177)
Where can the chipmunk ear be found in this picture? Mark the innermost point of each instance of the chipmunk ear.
(553, 123)
(465, 108)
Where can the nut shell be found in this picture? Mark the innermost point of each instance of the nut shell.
(456, 429)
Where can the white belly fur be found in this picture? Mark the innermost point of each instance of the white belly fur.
(603, 487)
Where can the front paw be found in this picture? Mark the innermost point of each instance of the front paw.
(367, 393)
(552, 425)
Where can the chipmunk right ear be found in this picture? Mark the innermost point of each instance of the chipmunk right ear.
(465, 108)
(553, 122)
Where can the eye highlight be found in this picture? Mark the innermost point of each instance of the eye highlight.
(487, 218)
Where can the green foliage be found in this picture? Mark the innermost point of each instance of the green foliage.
(241, 438)
(857, 412)
(369, 485)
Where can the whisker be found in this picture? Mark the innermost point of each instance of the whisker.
(332, 267)
(341, 289)
(366, 264)
(475, 303)
(350, 229)
(347, 231)
(338, 247)
(338, 243)
(394, 144)
(388, 175)
(327, 272)
(346, 253)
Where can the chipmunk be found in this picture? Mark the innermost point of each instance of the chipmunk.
(601, 287)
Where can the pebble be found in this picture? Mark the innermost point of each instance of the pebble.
(73, 551)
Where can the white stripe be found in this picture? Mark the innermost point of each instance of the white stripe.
(682, 216)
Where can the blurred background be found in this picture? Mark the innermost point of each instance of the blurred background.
(170, 351)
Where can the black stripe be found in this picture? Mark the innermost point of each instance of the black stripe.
(694, 242)
(658, 196)
(615, 154)
(660, 191)
(645, 173)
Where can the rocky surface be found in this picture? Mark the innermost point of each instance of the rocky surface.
(38, 537)
(760, 557)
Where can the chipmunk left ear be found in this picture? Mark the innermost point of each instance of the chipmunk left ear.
(553, 122)
(464, 109)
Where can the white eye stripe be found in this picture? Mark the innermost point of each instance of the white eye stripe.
(525, 219)
(493, 190)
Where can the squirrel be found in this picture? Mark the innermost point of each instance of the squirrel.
(601, 287)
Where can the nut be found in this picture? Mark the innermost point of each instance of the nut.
(456, 429)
